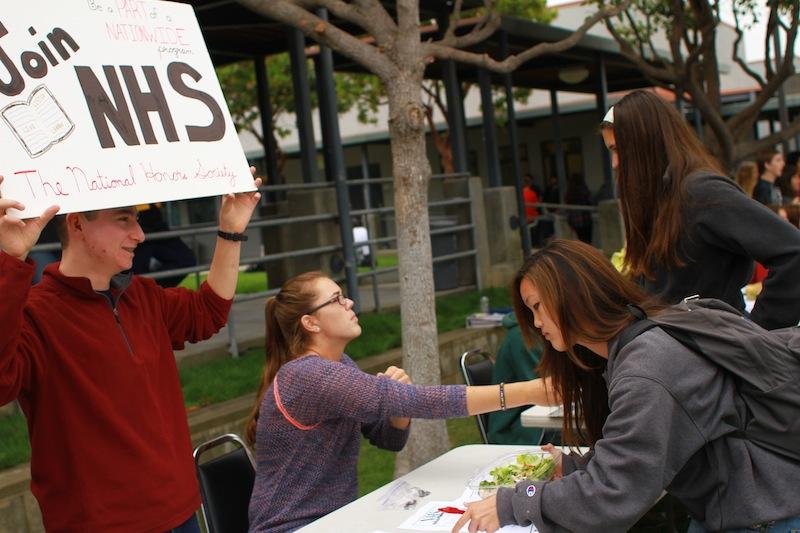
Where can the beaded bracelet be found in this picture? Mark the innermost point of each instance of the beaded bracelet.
(502, 396)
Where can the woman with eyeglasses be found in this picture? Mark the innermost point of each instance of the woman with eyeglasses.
(314, 404)
(688, 228)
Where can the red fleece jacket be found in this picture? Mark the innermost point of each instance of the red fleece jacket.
(110, 442)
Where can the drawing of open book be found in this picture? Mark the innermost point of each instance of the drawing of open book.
(38, 123)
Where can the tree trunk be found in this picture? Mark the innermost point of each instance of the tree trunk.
(412, 173)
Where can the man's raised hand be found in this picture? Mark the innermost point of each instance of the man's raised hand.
(236, 209)
(18, 236)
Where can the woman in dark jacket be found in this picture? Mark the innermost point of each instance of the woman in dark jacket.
(688, 228)
(659, 416)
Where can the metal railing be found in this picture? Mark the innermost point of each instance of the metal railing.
(555, 213)
(194, 233)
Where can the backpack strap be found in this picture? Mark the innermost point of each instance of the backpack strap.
(633, 331)
(641, 325)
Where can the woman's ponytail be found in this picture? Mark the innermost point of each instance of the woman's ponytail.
(285, 337)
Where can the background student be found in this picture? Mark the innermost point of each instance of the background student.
(688, 228)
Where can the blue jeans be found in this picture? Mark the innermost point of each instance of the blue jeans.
(190, 526)
(787, 525)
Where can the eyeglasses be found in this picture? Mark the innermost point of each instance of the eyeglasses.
(338, 297)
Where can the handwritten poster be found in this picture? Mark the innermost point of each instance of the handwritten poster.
(108, 103)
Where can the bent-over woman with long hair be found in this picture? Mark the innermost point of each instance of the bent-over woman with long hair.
(688, 228)
(314, 404)
(658, 415)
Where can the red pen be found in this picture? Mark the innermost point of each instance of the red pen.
(452, 510)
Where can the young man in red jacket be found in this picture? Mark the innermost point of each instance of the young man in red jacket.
(88, 352)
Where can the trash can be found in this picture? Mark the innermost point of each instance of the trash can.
(445, 273)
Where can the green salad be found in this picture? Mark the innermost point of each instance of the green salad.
(527, 466)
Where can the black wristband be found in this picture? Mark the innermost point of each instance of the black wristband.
(236, 237)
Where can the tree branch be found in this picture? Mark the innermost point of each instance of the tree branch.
(450, 33)
(771, 26)
(791, 37)
(774, 81)
(407, 16)
(325, 33)
(514, 61)
(747, 148)
(638, 37)
(482, 31)
(676, 32)
(666, 73)
(376, 13)
(738, 58)
(345, 11)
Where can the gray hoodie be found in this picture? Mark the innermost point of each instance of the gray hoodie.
(673, 424)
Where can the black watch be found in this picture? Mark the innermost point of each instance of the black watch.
(236, 237)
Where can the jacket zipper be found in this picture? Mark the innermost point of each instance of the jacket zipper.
(122, 331)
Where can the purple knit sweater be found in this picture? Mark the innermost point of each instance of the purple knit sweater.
(306, 466)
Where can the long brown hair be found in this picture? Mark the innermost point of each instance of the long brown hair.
(285, 336)
(746, 177)
(657, 150)
(588, 298)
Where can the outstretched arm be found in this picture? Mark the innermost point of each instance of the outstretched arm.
(234, 215)
(486, 398)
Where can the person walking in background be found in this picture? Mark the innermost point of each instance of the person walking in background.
(551, 195)
(747, 177)
(688, 228)
(314, 404)
(770, 168)
(530, 197)
(170, 253)
(578, 194)
(88, 352)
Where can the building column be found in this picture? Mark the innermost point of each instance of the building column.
(335, 167)
(513, 138)
(602, 105)
(561, 172)
(302, 106)
(265, 113)
(489, 129)
(455, 116)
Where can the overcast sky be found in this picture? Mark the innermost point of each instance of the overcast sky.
(754, 37)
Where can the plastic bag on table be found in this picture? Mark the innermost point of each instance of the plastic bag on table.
(402, 495)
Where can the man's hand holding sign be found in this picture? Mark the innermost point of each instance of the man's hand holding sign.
(17, 237)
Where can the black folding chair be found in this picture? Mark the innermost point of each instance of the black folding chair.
(476, 367)
(226, 483)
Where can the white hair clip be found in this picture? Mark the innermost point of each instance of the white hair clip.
(609, 115)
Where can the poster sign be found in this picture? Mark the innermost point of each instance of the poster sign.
(108, 103)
